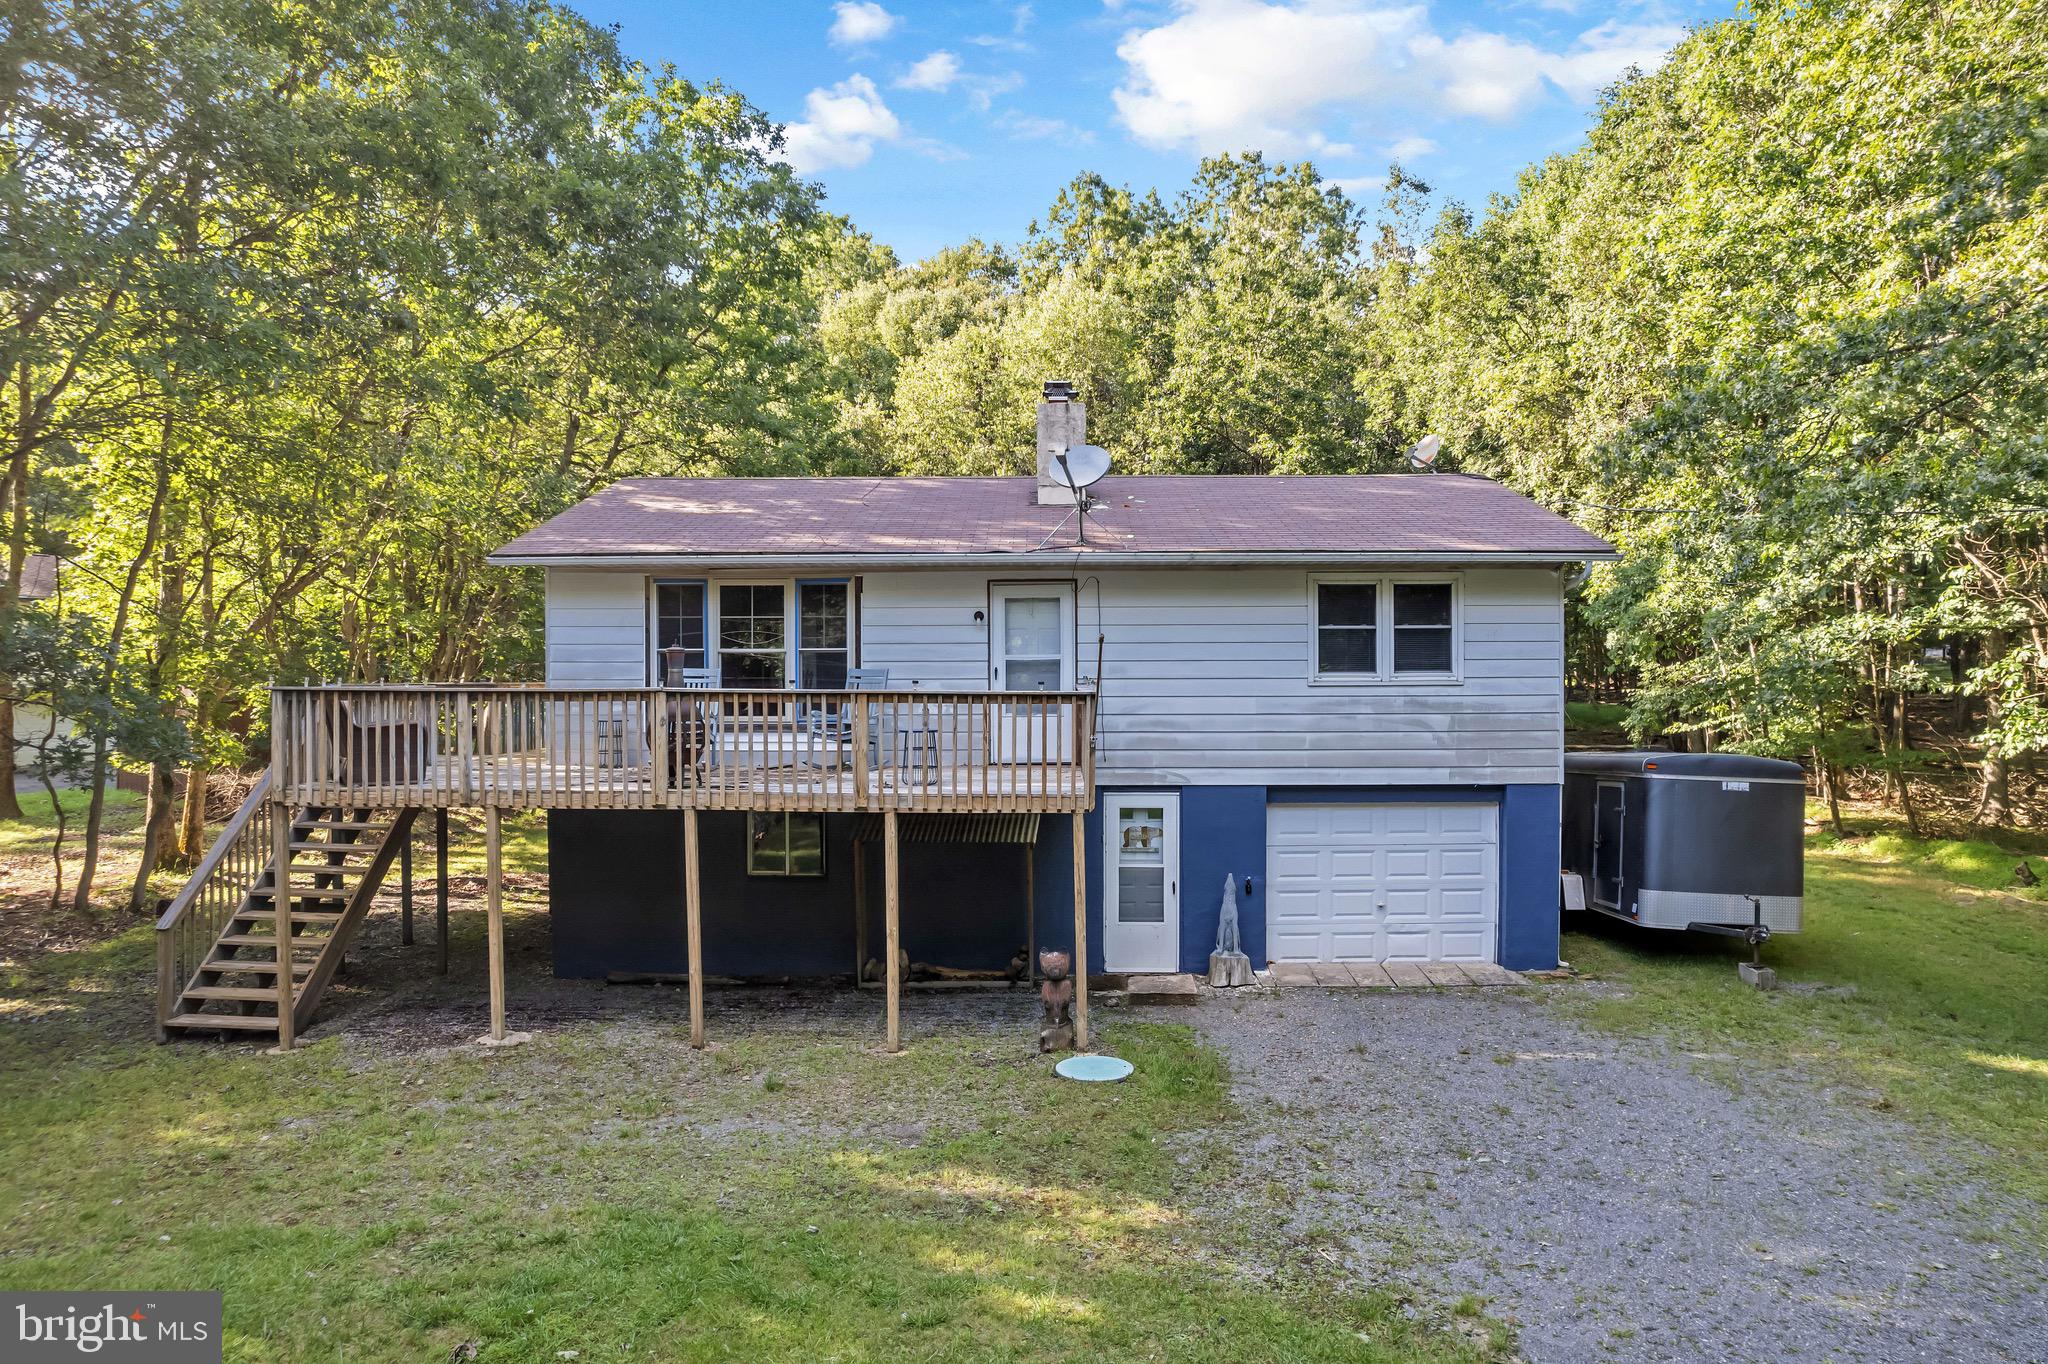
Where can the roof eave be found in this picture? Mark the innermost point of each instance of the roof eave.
(1067, 556)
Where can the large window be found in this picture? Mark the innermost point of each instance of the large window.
(753, 644)
(678, 630)
(1379, 629)
(757, 636)
(785, 843)
(822, 635)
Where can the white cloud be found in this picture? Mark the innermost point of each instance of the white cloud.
(935, 73)
(1358, 186)
(1224, 75)
(1603, 53)
(1032, 128)
(1408, 148)
(857, 22)
(983, 91)
(1271, 75)
(840, 127)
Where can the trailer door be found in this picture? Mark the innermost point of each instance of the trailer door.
(1607, 816)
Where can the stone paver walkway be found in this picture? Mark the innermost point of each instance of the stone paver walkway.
(1391, 975)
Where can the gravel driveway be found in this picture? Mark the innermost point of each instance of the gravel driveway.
(1610, 1197)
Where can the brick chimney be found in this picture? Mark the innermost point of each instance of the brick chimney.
(1062, 424)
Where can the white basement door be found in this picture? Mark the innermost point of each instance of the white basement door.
(1382, 882)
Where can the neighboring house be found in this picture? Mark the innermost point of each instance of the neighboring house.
(788, 723)
(34, 724)
(38, 576)
(1345, 693)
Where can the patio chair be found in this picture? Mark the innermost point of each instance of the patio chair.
(833, 724)
(696, 722)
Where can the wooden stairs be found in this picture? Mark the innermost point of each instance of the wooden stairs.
(218, 954)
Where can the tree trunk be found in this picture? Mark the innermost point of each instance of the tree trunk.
(10, 804)
(161, 803)
(192, 822)
(96, 801)
(1995, 809)
(14, 500)
(1831, 788)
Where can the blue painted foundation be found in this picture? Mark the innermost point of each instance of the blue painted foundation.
(1529, 830)
(616, 893)
(617, 887)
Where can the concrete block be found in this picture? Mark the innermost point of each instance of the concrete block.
(1757, 977)
(1162, 990)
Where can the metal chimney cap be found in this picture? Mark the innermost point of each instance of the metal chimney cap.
(1059, 390)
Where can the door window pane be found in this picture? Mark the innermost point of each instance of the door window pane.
(823, 635)
(678, 629)
(1031, 627)
(1422, 628)
(1141, 864)
(1037, 675)
(1141, 895)
(752, 635)
(1347, 640)
(1032, 651)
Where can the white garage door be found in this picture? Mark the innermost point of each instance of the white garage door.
(1382, 882)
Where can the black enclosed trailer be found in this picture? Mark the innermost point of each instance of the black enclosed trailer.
(1687, 840)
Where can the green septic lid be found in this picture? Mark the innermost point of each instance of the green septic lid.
(1087, 1067)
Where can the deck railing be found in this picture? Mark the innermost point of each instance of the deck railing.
(186, 930)
(657, 748)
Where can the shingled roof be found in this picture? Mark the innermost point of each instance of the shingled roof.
(1432, 517)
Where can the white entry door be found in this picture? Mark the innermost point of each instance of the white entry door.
(1141, 882)
(1382, 882)
(1031, 649)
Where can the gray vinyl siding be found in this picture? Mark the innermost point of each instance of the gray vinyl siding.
(1206, 672)
(597, 628)
(1206, 677)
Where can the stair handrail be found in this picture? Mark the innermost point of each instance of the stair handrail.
(172, 924)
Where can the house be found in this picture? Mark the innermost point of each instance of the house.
(835, 726)
(38, 576)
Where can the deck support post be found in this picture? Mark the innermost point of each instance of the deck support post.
(860, 913)
(441, 891)
(405, 891)
(1080, 931)
(891, 933)
(281, 905)
(1030, 916)
(693, 912)
(494, 914)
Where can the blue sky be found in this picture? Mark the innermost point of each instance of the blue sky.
(930, 123)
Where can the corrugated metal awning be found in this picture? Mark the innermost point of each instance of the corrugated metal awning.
(1005, 828)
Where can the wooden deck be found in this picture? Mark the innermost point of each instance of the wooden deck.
(567, 748)
(351, 766)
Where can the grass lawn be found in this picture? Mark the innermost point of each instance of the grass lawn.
(1920, 979)
(31, 833)
(790, 1195)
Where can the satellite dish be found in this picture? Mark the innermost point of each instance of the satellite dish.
(1084, 465)
(1423, 456)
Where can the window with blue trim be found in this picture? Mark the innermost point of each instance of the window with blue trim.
(823, 635)
(678, 630)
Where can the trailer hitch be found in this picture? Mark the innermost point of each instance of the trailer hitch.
(1756, 933)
